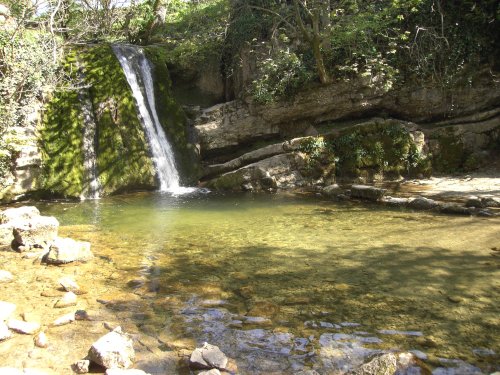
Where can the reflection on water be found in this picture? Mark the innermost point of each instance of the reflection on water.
(282, 283)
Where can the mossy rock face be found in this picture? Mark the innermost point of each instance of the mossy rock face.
(123, 156)
(451, 154)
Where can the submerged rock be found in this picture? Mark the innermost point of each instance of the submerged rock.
(6, 310)
(113, 350)
(19, 213)
(27, 328)
(208, 357)
(39, 231)
(370, 193)
(67, 250)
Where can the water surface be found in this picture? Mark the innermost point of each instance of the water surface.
(283, 282)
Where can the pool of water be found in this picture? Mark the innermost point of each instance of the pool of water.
(285, 282)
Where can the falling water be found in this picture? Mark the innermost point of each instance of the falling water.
(137, 70)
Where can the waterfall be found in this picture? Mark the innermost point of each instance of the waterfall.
(137, 70)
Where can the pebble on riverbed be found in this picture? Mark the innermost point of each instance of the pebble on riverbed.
(27, 328)
(6, 276)
(63, 320)
(41, 340)
(68, 299)
(6, 310)
(4, 332)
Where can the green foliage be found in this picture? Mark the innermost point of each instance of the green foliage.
(194, 32)
(27, 71)
(452, 155)
(281, 76)
(379, 147)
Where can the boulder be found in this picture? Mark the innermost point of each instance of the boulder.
(27, 328)
(6, 234)
(370, 193)
(4, 332)
(21, 213)
(474, 202)
(39, 231)
(490, 202)
(113, 350)
(422, 203)
(332, 190)
(6, 276)
(208, 357)
(6, 310)
(67, 250)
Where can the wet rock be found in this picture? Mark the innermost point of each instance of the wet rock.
(6, 310)
(474, 202)
(81, 366)
(263, 309)
(390, 363)
(27, 328)
(63, 320)
(455, 209)
(332, 190)
(67, 250)
(113, 350)
(422, 203)
(455, 299)
(490, 202)
(20, 213)
(41, 340)
(370, 193)
(117, 371)
(208, 357)
(4, 332)
(485, 213)
(6, 276)
(68, 299)
(39, 231)
(307, 372)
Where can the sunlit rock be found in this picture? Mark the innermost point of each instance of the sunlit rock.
(19, 213)
(63, 320)
(113, 350)
(39, 231)
(6, 276)
(68, 299)
(117, 371)
(41, 340)
(69, 285)
(67, 250)
(81, 366)
(4, 332)
(27, 328)
(422, 203)
(6, 310)
(208, 357)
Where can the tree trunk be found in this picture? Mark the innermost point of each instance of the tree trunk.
(320, 64)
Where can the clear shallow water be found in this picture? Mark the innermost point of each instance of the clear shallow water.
(281, 283)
